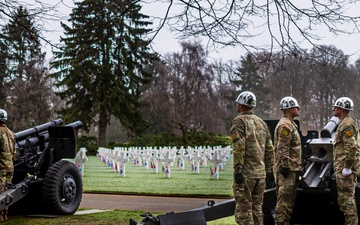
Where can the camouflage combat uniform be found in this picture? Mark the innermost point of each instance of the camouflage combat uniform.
(346, 152)
(253, 158)
(7, 155)
(287, 144)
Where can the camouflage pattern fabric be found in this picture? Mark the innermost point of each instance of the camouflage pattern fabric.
(252, 146)
(287, 143)
(253, 158)
(286, 195)
(249, 197)
(7, 155)
(346, 146)
(346, 153)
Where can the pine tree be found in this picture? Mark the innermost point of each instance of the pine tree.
(24, 75)
(21, 43)
(248, 79)
(100, 69)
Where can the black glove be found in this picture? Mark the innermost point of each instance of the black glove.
(284, 171)
(270, 180)
(238, 178)
(270, 177)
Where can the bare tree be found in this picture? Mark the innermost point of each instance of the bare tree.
(30, 101)
(283, 24)
(226, 91)
(183, 92)
(331, 77)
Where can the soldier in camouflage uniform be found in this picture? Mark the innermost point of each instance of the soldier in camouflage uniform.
(287, 166)
(7, 155)
(346, 152)
(253, 160)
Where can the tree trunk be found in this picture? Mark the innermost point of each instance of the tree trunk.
(102, 128)
(184, 136)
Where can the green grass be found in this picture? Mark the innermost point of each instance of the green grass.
(100, 178)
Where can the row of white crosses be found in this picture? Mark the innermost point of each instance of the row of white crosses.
(166, 156)
(80, 159)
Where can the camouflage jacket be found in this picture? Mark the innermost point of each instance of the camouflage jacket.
(287, 143)
(346, 146)
(7, 147)
(252, 146)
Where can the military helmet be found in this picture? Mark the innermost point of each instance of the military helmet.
(3, 115)
(288, 103)
(246, 98)
(344, 103)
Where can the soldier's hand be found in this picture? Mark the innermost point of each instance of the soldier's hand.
(270, 180)
(270, 176)
(238, 178)
(346, 172)
(284, 172)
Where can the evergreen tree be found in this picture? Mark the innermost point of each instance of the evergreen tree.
(21, 43)
(248, 79)
(100, 69)
(23, 73)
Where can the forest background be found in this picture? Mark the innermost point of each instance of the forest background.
(105, 74)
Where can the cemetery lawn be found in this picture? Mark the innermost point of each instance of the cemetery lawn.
(101, 178)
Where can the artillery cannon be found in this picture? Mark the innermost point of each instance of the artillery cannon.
(316, 200)
(43, 181)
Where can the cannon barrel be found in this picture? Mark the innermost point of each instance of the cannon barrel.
(75, 125)
(329, 127)
(19, 136)
(38, 136)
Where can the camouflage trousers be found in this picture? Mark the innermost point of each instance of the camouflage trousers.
(346, 198)
(6, 176)
(249, 197)
(286, 194)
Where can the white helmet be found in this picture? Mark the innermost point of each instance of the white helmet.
(288, 103)
(344, 103)
(246, 98)
(3, 115)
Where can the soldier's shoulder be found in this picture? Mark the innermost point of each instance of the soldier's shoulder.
(238, 118)
(284, 129)
(347, 127)
(347, 122)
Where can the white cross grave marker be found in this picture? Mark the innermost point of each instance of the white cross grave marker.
(80, 160)
(181, 158)
(155, 161)
(196, 158)
(216, 161)
(120, 162)
(146, 154)
(168, 160)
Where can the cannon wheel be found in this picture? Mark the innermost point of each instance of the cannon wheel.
(62, 188)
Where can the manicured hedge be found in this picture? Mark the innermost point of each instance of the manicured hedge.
(194, 138)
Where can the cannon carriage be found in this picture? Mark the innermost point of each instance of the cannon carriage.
(43, 182)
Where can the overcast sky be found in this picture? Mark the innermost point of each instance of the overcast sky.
(166, 42)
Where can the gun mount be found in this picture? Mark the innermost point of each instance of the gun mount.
(317, 171)
(43, 181)
(316, 200)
